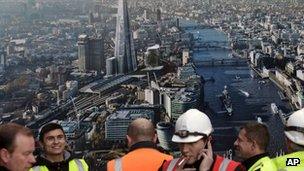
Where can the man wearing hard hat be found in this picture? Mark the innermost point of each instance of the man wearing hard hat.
(294, 131)
(193, 134)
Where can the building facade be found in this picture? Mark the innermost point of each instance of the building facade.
(124, 45)
(91, 53)
(116, 124)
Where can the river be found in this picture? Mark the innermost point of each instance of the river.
(262, 94)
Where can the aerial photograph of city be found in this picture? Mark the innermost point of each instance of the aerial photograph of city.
(141, 85)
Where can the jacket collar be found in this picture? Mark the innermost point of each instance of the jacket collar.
(2, 168)
(250, 161)
(66, 155)
(143, 144)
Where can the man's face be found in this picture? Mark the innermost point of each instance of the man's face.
(192, 150)
(243, 146)
(54, 142)
(22, 158)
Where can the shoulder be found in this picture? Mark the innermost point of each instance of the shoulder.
(227, 163)
(81, 163)
(171, 162)
(109, 164)
(164, 155)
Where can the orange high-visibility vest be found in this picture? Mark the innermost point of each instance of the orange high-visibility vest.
(220, 164)
(147, 159)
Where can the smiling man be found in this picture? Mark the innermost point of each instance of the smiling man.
(251, 145)
(55, 158)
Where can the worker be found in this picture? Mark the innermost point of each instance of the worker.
(294, 132)
(193, 134)
(54, 157)
(251, 145)
(143, 154)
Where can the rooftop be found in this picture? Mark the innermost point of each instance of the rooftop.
(130, 114)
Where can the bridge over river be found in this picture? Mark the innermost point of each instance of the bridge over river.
(222, 62)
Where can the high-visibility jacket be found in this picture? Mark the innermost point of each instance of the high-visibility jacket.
(148, 159)
(283, 162)
(263, 164)
(74, 165)
(220, 164)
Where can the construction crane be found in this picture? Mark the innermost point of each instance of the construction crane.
(76, 112)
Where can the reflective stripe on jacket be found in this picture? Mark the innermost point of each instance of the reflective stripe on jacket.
(147, 159)
(74, 165)
(281, 162)
(263, 164)
(220, 164)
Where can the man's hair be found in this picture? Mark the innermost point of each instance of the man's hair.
(9, 132)
(47, 128)
(141, 129)
(257, 132)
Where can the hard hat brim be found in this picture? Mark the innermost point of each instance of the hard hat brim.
(295, 137)
(189, 139)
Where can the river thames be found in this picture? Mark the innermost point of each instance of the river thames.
(238, 79)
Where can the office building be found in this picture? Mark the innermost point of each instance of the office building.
(186, 56)
(152, 56)
(158, 15)
(2, 58)
(111, 66)
(152, 96)
(117, 123)
(91, 53)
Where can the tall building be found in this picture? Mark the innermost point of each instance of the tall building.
(111, 66)
(186, 56)
(91, 53)
(158, 15)
(152, 96)
(2, 58)
(152, 56)
(124, 46)
(83, 52)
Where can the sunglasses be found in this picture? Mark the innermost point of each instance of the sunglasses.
(185, 133)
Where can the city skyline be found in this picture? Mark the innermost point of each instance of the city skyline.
(95, 63)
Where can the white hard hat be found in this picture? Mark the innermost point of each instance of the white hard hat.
(191, 127)
(294, 129)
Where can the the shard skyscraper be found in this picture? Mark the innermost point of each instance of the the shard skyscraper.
(124, 46)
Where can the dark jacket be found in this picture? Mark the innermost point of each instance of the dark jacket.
(2, 168)
(250, 162)
(55, 166)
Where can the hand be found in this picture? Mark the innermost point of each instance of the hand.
(207, 155)
(181, 163)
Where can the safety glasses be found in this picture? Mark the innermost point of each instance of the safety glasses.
(185, 133)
